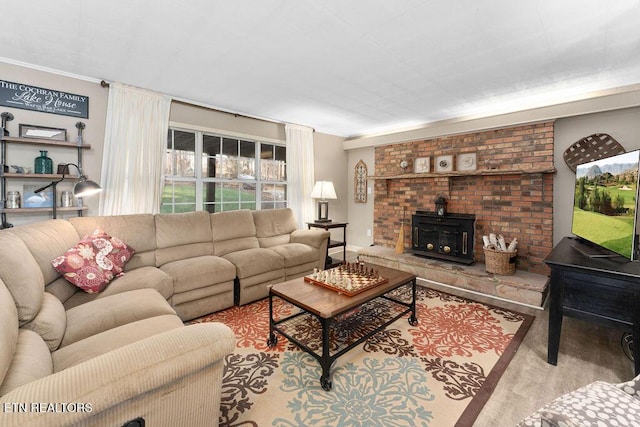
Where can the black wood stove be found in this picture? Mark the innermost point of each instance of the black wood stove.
(447, 236)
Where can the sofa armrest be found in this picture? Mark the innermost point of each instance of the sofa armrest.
(313, 238)
(150, 379)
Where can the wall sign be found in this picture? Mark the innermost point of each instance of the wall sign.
(26, 97)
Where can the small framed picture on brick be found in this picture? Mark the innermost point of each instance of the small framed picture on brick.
(444, 163)
(467, 162)
(422, 165)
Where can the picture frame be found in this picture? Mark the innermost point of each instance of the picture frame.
(42, 132)
(467, 161)
(31, 199)
(444, 163)
(422, 165)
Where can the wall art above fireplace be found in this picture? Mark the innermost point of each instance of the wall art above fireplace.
(444, 163)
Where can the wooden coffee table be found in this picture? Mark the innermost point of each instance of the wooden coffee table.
(343, 321)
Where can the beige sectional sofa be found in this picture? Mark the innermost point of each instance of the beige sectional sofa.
(69, 357)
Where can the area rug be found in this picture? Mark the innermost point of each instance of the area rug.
(439, 373)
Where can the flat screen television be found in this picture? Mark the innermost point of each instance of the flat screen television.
(605, 205)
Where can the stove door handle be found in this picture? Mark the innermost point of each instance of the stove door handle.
(464, 242)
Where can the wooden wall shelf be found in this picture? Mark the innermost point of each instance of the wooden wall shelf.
(42, 176)
(37, 210)
(49, 142)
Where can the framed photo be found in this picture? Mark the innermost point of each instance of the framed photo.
(422, 165)
(467, 162)
(42, 132)
(31, 199)
(444, 163)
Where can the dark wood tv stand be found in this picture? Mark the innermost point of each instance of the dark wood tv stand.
(602, 290)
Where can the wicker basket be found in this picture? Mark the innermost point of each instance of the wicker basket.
(500, 262)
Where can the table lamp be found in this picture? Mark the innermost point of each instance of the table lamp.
(323, 190)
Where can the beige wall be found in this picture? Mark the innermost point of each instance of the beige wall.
(331, 165)
(360, 214)
(23, 155)
(218, 120)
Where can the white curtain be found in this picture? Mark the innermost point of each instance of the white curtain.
(301, 172)
(134, 150)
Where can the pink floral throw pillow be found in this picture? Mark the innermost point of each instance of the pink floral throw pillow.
(94, 261)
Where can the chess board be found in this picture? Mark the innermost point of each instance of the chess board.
(360, 280)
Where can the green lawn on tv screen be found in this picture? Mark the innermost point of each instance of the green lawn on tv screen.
(612, 232)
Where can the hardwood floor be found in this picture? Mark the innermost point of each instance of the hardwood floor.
(588, 353)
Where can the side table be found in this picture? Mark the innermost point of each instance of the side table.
(333, 243)
(601, 290)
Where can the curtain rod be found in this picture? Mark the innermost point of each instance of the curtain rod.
(104, 83)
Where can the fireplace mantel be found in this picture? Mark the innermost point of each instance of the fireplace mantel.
(477, 172)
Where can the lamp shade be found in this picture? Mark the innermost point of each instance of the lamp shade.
(85, 187)
(324, 190)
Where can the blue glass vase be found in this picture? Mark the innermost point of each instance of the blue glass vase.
(43, 164)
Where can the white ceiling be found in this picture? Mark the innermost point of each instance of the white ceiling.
(346, 68)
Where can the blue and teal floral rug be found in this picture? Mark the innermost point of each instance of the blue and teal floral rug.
(438, 373)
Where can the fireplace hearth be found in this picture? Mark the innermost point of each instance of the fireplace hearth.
(448, 237)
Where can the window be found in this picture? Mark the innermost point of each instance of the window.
(232, 173)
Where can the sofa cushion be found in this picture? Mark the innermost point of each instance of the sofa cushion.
(233, 231)
(47, 240)
(50, 322)
(182, 236)
(21, 274)
(112, 339)
(199, 272)
(252, 262)
(31, 361)
(62, 289)
(94, 261)
(273, 226)
(112, 311)
(140, 278)
(138, 231)
(8, 330)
